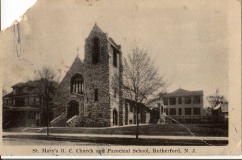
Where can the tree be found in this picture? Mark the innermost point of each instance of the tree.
(47, 83)
(215, 100)
(141, 79)
(4, 92)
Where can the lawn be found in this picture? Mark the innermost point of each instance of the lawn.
(152, 129)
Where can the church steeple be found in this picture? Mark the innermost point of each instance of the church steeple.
(96, 29)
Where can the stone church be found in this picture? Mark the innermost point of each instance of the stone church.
(86, 96)
(86, 89)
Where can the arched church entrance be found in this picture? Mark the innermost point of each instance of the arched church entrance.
(115, 117)
(73, 109)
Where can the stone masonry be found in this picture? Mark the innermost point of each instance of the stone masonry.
(99, 104)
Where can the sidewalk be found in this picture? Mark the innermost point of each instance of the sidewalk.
(116, 136)
(144, 140)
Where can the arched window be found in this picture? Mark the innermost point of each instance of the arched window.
(77, 84)
(96, 50)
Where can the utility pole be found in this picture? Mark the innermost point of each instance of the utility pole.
(47, 106)
(47, 112)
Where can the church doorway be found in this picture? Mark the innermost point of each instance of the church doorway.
(73, 109)
(115, 117)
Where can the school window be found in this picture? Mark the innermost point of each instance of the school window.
(188, 100)
(196, 111)
(188, 111)
(173, 111)
(96, 51)
(196, 100)
(172, 101)
(96, 95)
(179, 100)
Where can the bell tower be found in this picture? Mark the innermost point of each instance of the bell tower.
(102, 61)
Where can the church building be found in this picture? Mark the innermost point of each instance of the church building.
(86, 95)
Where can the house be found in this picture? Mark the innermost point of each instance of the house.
(220, 112)
(180, 105)
(24, 106)
(86, 96)
(131, 112)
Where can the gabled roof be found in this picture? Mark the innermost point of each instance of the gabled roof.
(76, 63)
(30, 83)
(27, 84)
(76, 66)
(34, 87)
(183, 92)
(77, 60)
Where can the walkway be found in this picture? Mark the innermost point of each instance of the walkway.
(117, 136)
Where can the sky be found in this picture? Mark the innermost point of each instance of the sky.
(187, 40)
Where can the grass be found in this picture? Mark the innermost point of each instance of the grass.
(152, 129)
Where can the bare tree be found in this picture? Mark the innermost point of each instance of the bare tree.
(140, 78)
(214, 100)
(47, 79)
(4, 92)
